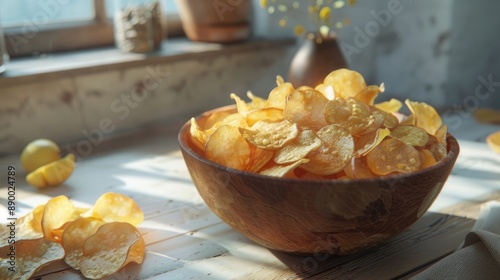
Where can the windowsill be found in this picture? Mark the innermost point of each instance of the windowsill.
(43, 67)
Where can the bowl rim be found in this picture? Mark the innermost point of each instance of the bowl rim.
(451, 156)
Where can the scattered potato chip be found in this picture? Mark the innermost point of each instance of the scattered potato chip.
(426, 158)
(113, 246)
(410, 135)
(31, 255)
(283, 170)
(346, 83)
(358, 169)
(366, 142)
(58, 211)
(299, 148)
(351, 114)
(227, 146)
(75, 234)
(425, 116)
(335, 152)
(493, 141)
(277, 97)
(391, 106)
(369, 93)
(267, 114)
(269, 135)
(115, 207)
(306, 109)
(392, 156)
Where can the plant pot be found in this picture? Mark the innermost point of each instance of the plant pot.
(219, 21)
(314, 60)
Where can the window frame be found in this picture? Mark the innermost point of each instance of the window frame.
(98, 32)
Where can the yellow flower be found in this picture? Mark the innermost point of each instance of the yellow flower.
(325, 13)
(299, 30)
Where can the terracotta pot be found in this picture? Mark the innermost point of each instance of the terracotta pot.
(314, 61)
(220, 21)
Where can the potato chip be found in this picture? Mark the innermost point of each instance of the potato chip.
(214, 118)
(269, 135)
(256, 102)
(279, 80)
(487, 115)
(425, 115)
(426, 158)
(389, 120)
(199, 136)
(227, 146)
(493, 141)
(358, 169)
(277, 97)
(268, 114)
(299, 148)
(366, 142)
(31, 255)
(438, 150)
(326, 90)
(351, 114)
(58, 211)
(27, 227)
(258, 159)
(305, 88)
(391, 106)
(75, 234)
(345, 82)
(115, 207)
(335, 152)
(410, 135)
(283, 170)
(392, 156)
(441, 134)
(407, 120)
(242, 107)
(369, 93)
(113, 246)
(306, 109)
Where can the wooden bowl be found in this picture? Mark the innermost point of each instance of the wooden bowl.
(315, 216)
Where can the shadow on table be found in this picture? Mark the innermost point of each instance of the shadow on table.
(431, 238)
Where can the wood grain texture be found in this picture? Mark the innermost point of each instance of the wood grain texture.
(315, 216)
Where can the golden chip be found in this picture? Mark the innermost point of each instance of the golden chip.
(351, 114)
(425, 116)
(269, 135)
(58, 211)
(242, 107)
(115, 207)
(335, 152)
(283, 170)
(214, 118)
(369, 93)
(392, 156)
(426, 158)
(31, 255)
(268, 114)
(258, 159)
(358, 169)
(391, 106)
(198, 135)
(438, 150)
(406, 120)
(75, 234)
(27, 227)
(366, 142)
(410, 135)
(277, 97)
(299, 148)
(306, 109)
(113, 246)
(345, 82)
(493, 141)
(256, 102)
(389, 120)
(227, 146)
(441, 134)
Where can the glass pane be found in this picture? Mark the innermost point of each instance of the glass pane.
(40, 12)
(169, 7)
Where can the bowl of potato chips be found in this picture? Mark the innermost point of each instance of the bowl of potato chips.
(319, 170)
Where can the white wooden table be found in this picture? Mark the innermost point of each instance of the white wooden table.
(185, 240)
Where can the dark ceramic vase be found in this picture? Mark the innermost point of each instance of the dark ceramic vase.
(315, 59)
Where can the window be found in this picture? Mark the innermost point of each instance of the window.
(43, 26)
